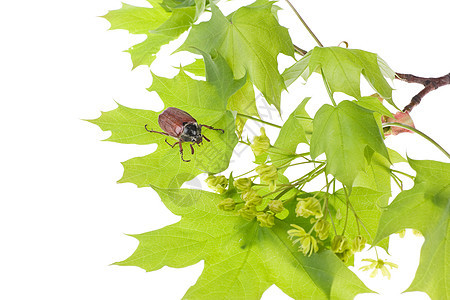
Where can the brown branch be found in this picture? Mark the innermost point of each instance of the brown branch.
(300, 50)
(430, 84)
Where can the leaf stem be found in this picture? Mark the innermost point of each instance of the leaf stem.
(419, 133)
(258, 120)
(304, 24)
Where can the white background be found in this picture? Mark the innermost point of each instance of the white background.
(63, 217)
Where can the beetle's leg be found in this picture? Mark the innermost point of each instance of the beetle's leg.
(210, 127)
(192, 149)
(181, 153)
(170, 144)
(206, 138)
(155, 131)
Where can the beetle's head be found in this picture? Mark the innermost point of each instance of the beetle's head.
(192, 132)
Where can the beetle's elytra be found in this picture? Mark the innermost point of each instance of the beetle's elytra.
(179, 124)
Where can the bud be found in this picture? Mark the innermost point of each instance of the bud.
(217, 183)
(276, 206)
(322, 228)
(243, 184)
(265, 219)
(359, 243)
(227, 204)
(339, 244)
(251, 197)
(344, 256)
(402, 233)
(260, 143)
(248, 212)
(309, 207)
(268, 174)
(417, 233)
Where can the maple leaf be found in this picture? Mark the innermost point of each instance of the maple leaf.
(158, 24)
(248, 45)
(164, 168)
(297, 129)
(344, 132)
(425, 207)
(342, 69)
(241, 258)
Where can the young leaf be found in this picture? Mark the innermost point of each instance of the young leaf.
(297, 129)
(425, 207)
(242, 259)
(164, 167)
(160, 26)
(248, 45)
(343, 133)
(342, 69)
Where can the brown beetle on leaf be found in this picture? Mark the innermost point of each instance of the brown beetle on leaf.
(179, 124)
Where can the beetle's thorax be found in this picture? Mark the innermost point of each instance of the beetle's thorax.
(192, 132)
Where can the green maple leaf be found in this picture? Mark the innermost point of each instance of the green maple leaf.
(248, 45)
(241, 258)
(164, 167)
(342, 69)
(159, 25)
(242, 101)
(425, 207)
(297, 129)
(348, 134)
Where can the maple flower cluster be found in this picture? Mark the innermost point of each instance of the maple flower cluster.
(248, 199)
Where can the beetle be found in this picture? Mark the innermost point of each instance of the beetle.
(179, 124)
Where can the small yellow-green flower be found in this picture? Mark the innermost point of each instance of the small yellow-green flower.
(309, 207)
(402, 233)
(268, 174)
(248, 212)
(276, 206)
(417, 233)
(359, 243)
(251, 197)
(217, 183)
(308, 244)
(322, 228)
(260, 143)
(378, 265)
(265, 219)
(227, 204)
(339, 244)
(243, 184)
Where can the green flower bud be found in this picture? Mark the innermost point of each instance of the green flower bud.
(268, 174)
(322, 228)
(217, 183)
(227, 204)
(251, 197)
(265, 219)
(417, 233)
(260, 143)
(359, 243)
(402, 233)
(339, 244)
(344, 256)
(248, 212)
(276, 206)
(243, 184)
(309, 207)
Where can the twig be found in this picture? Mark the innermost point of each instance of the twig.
(304, 24)
(300, 50)
(430, 84)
